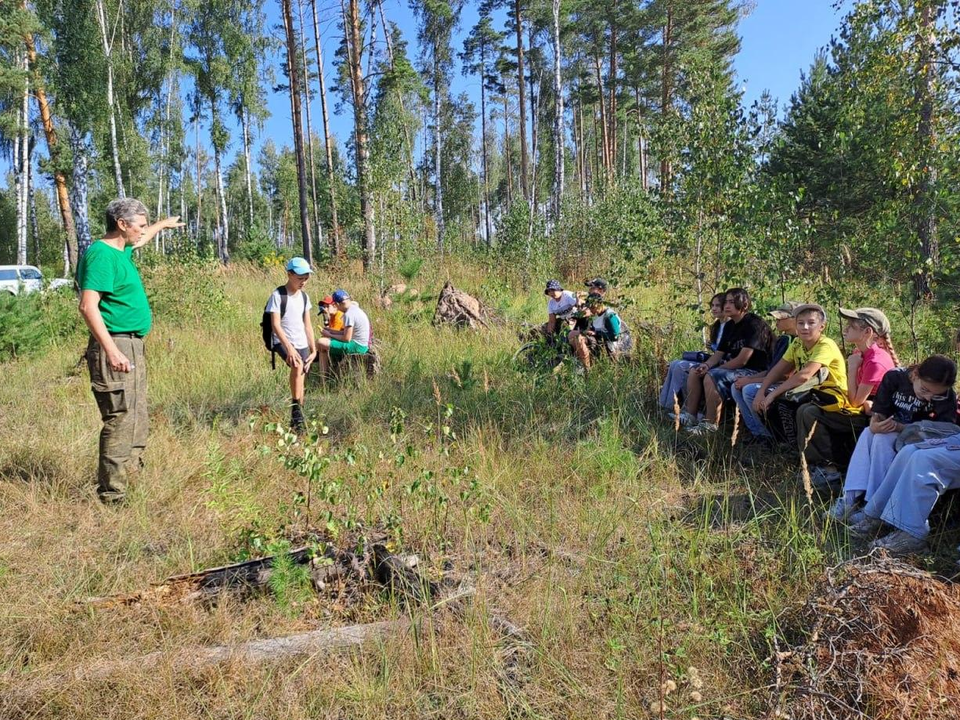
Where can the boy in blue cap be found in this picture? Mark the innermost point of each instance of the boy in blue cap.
(293, 337)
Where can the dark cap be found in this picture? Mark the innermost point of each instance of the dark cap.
(340, 295)
(870, 316)
(594, 299)
(597, 282)
(553, 286)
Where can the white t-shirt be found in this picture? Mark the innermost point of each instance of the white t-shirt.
(357, 319)
(566, 302)
(292, 321)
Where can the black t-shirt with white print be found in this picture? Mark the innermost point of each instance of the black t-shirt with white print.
(897, 399)
(750, 332)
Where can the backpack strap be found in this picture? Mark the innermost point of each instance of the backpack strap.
(282, 290)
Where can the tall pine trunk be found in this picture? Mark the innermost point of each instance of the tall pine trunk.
(355, 60)
(53, 149)
(522, 91)
(327, 141)
(294, 77)
(612, 82)
(488, 225)
(666, 98)
(21, 162)
(306, 96)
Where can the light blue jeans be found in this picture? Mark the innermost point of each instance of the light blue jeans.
(919, 475)
(675, 382)
(872, 458)
(744, 399)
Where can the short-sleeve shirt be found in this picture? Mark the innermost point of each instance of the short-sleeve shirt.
(607, 325)
(123, 301)
(292, 322)
(829, 356)
(334, 320)
(751, 332)
(357, 319)
(896, 398)
(566, 303)
(875, 364)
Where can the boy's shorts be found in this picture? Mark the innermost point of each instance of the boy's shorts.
(724, 379)
(339, 348)
(279, 350)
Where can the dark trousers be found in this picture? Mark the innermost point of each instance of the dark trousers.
(122, 400)
(781, 419)
(833, 439)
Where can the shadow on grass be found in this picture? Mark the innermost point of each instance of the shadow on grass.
(31, 465)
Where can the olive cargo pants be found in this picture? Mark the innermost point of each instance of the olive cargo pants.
(122, 399)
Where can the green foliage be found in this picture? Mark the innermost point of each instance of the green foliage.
(185, 287)
(258, 248)
(289, 580)
(29, 324)
(410, 268)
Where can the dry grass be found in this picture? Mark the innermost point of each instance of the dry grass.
(626, 558)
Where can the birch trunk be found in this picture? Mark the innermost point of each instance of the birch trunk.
(107, 41)
(21, 164)
(248, 175)
(558, 135)
(438, 181)
(78, 192)
(32, 200)
(327, 142)
(223, 239)
(488, 225)
(924, 199)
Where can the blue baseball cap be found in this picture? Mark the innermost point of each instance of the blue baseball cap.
(340, 295)
(299, 266)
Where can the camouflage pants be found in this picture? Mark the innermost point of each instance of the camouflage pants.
(122, 400)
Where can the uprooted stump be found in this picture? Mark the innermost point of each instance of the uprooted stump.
(877, 639)
(457, 308)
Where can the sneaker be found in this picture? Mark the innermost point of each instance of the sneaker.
(823, 476)
(703, 429)
(840, 511)
(856, 517)
(900, 543)
(866, 527)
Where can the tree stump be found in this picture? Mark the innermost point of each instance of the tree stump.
(368, 364)
(457, 308)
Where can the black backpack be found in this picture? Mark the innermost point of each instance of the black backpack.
(266, 322)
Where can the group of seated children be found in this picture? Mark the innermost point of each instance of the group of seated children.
(589, 325)
(345, 331)
(890, 431)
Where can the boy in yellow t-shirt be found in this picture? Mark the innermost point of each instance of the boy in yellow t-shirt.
(812, 362)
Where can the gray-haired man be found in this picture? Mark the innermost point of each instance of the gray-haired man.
(114, 306)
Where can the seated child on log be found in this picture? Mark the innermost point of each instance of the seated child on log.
(676, 379)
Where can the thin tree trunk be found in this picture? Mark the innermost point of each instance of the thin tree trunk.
(355, 59)
(438, 180)
(558, 135)
(508, 154)
(534, 97)
(32, 200)
(925, 192)
(488, 225)
(196, 127)
(293, 74)
(641, 145)
(224, 234)
(612, 81)
(522, 91)
(78, 192)
(50, 133)
(108, 55)
(247, 170)
(21, 164)
(666, 98)
(603, 116)
(327, 142)
(306, 104)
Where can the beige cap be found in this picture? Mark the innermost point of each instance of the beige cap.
(785, 310)
(810, 306)
(871, 316)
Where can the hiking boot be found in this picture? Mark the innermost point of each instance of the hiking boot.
(841, 510)
(900, 543)
(866, 527)
(704, 429)
(686, 419)
(821, 476)
(297, 423)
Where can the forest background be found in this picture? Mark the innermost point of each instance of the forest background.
(606, 134)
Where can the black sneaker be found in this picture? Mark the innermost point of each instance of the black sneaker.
(297, 423)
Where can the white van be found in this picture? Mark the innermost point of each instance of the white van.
(15, 279)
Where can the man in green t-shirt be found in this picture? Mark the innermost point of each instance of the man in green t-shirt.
(114, 306)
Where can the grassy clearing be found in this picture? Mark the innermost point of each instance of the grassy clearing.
(627, 558)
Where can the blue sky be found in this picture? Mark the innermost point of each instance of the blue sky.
(779, 39)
